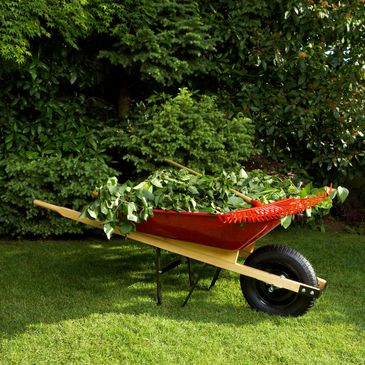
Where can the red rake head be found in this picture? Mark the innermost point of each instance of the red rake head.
(273, 211)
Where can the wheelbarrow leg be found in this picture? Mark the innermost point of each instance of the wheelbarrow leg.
(215, 277)
(194, 283)
(192, 287)
(193, 279)
(189, 272)
(161, 270)
(158, 276)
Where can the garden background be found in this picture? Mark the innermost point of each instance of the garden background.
(98, 88)
(91, 89)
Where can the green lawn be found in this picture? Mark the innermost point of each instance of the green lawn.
(93, 302)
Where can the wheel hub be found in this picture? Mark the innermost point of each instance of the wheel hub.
(274, 295)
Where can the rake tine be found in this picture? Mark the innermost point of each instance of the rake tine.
(274, 211)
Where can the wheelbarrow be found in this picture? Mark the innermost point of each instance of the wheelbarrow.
(274, 279)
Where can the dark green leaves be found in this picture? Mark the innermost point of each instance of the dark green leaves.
(63, 181)
(191, 129)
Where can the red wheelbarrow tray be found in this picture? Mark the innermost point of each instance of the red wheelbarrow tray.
(204, 228)
(206, 238)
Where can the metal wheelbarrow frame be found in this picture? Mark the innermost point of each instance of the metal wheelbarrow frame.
(272, 287)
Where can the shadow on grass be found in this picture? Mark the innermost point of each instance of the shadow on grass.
(55, 281)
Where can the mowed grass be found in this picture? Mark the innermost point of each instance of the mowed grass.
(93, 302)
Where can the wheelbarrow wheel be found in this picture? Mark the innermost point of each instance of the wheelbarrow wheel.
(285, 262)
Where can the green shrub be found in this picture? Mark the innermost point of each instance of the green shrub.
(24, 22)
(192, 131)
(43, 111)
(62, 181)
(297, 69)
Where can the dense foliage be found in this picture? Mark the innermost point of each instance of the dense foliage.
(100, 80)
(124, 205)
(193, 131)
(45, 109)
(64, 181)
(296, 68)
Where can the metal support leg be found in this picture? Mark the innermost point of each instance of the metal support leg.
(215, 277)
(192, 287)
(160, 270)
(172, 265)
(189, 272)
(158, 276)
(192, 283)
(195, 283)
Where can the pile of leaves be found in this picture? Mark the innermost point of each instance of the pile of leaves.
(125, 205)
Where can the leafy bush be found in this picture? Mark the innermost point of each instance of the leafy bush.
(24, 21)
(43, 112)
(164, 40)
(62, 181)
(193, 131)
(297, 69)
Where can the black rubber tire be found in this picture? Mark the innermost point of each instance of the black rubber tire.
(283, 261)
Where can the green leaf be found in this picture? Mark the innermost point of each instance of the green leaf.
(126, 228)
(92, 213)
(104, 208)
(148, 195)
(156, 182)
(235, 201)
(193, 190)
(143, 185)
(131, 210)
(73, 78)
(108, 230)
(286, 221)
(304, 192)
(342, 193)
(243, 174)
